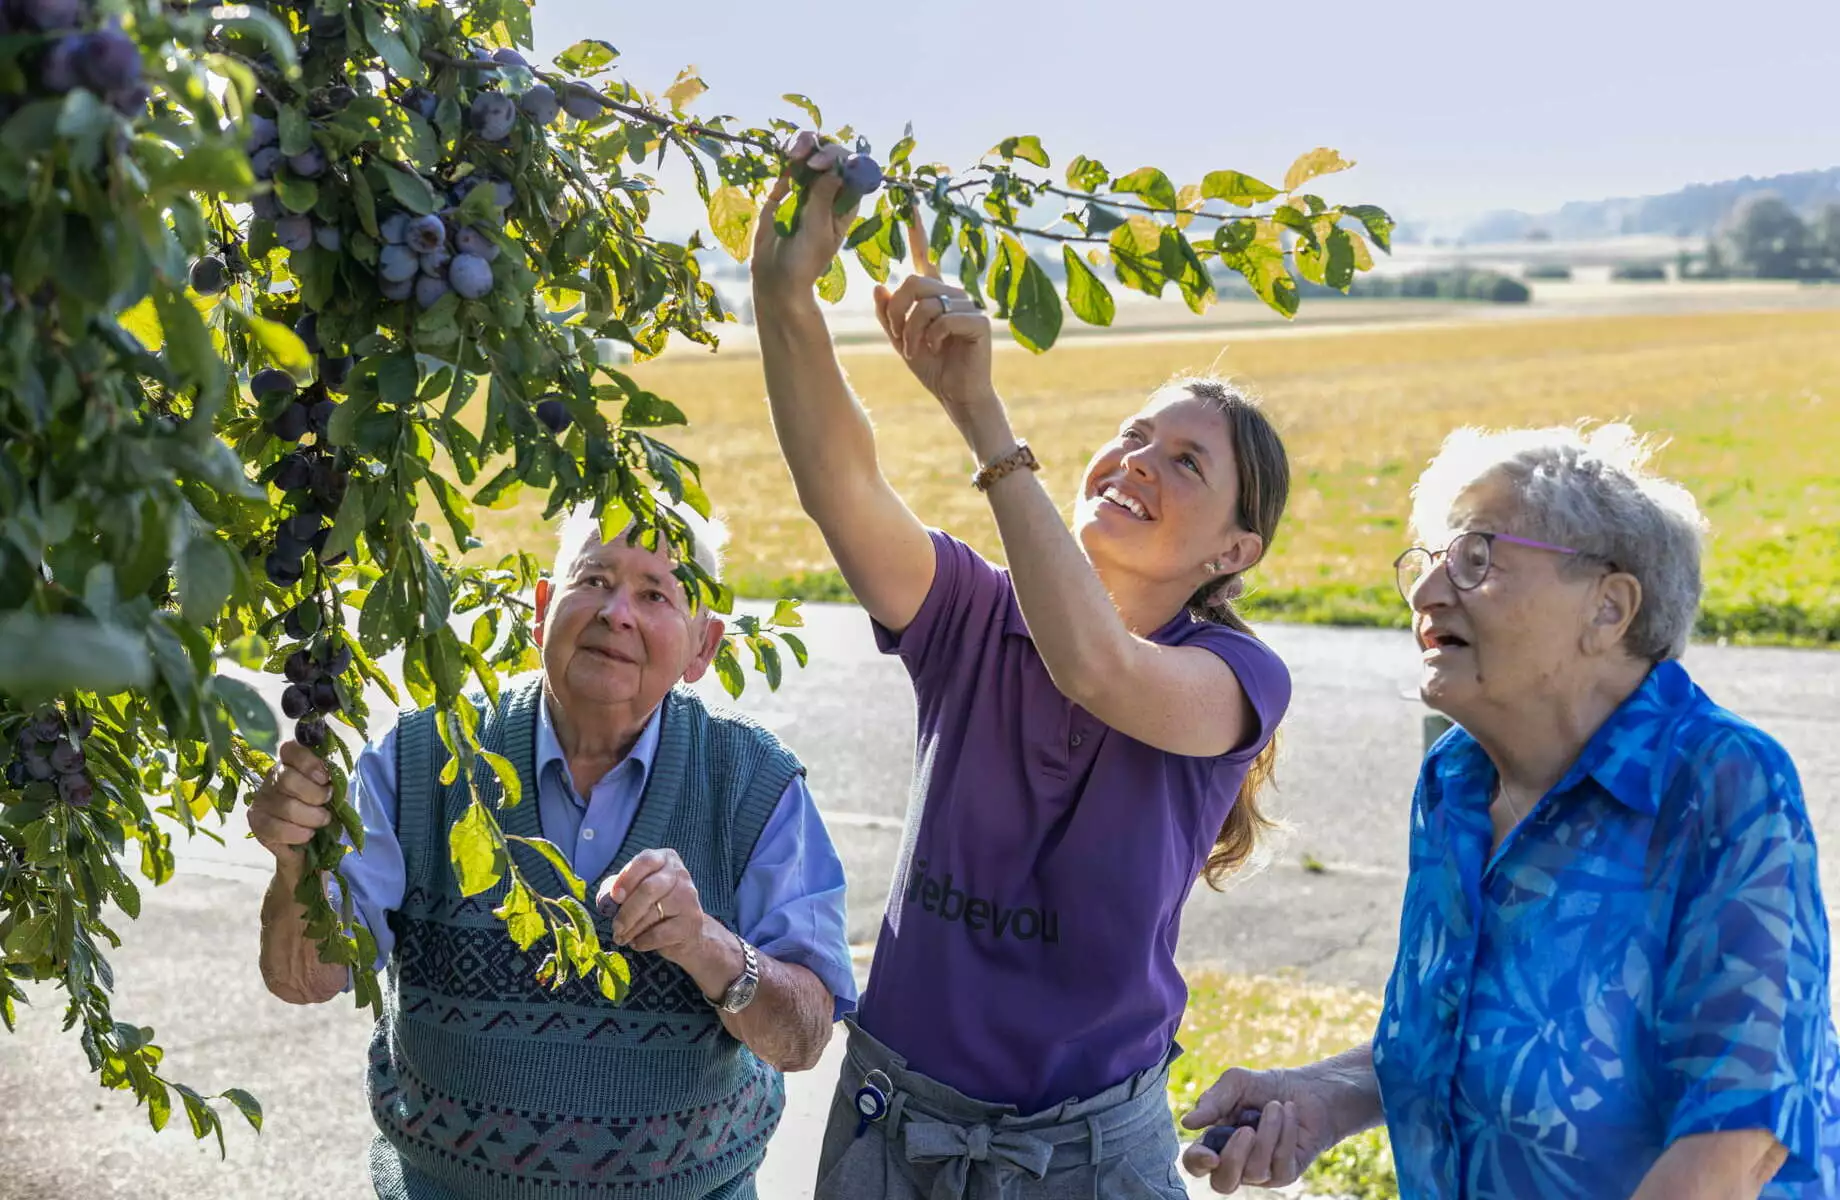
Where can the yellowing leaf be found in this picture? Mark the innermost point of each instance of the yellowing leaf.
(476, 853)
(1320, 161)
(732, 215)
(687, 88)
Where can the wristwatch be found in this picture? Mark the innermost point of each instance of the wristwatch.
(740, 993)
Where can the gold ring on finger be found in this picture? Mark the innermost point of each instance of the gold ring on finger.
(661, 913)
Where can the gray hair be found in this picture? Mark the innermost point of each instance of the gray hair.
(1590, 490)
(707, 535)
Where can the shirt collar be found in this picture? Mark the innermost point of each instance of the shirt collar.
(1627, 756)
(549, 749)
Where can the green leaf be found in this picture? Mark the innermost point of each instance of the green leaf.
(1135, 245)
(1235, 188)
(1378, 224)
(389, 44)
(831, 286)
(206, 576)
(556, 859)
(589, 56)
(728, 671)
(477, 855)
(273, 35)
(42, 656)
(786, 615)
(246, 1104)
(1086, 175)
(1290, 218)
(282, 345)
(159, 1106)
(1028, 149)
(614, 976)
(30, 939)
(297, 195)
(1338, 271)
(1309, 165)
(507, 777)
(1151, 184)
(254, 719)
(411, 190)
(1035, 308)
(797, 646)
(519, 913)
(188, 343)
(732, 214)
(295, 130)
(1087, 294)
(811, 109)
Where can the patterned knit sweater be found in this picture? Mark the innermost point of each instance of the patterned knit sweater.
(485, 1083)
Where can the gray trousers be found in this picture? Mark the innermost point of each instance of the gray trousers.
(936, 1143)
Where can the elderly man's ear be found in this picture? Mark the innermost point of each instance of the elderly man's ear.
(1618, 599)
(713, 629)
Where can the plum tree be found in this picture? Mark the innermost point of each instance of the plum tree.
(277, 468)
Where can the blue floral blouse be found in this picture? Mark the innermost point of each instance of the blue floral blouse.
(1645, 957)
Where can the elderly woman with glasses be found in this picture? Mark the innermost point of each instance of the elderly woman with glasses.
(1612, 976)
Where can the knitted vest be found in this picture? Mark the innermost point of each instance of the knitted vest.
(485, 1083)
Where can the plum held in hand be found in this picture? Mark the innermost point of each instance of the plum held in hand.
(311, 733)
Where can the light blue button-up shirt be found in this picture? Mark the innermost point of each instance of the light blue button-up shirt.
(790, 902)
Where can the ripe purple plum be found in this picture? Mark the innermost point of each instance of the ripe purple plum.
(861, 174)
(492, 117)
(335, 370)
(309, 163)
(272, 382)
(47, 16)
(435, 262)
(264, 161)
(297, 701)
(311, 733)
(307, 330)
(283, 570)
(262, 132)
(294, 231)
(292, 424)
(210, 276)
(294, 472)
(429, 289)
(76, 790)
(111, 62)
(398, 264)
(470, 276)
(540, 104)
(424, 235)
(470, 241)
(507, 57)
(394, 228)
(397, 289)
(266, 205)
(57, 70)
(66, 759)
(327, 237)
(300, 667)
(554, 414)
(581, 101)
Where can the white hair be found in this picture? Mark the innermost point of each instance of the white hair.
(580, 527)
(1589, 490)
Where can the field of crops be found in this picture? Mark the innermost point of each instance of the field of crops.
(1749, 400)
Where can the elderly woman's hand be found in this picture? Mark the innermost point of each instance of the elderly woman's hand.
(786, 267)
(1264, 1128)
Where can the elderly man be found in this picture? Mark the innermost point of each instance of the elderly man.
(1613, 963)
(697, 831)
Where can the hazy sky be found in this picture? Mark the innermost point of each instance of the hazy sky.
(1450, 107)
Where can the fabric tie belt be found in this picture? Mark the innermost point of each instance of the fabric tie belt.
(1008, 1152)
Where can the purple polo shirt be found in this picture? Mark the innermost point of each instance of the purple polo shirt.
(1028, 956)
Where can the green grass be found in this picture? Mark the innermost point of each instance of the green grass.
(1260, 1021)
(1749, 402)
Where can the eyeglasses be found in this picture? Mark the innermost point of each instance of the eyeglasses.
(1466, 560)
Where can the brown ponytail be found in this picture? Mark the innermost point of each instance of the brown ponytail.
(1264, 487)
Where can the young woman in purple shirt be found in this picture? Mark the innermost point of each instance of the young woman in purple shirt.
(1094, 723)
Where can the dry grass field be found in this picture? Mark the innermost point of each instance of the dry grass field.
(1749, 401)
